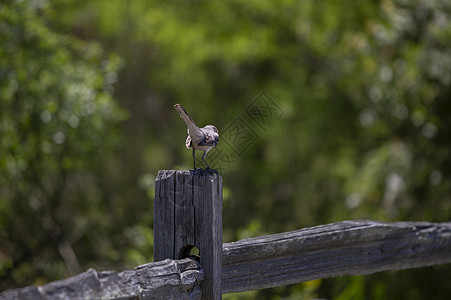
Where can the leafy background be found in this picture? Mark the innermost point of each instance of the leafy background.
(86, 121)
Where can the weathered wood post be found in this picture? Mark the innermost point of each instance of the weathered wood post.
(187, 214)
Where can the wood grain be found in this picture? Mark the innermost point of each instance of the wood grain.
(166, 279)
(337, 249)
(188, 213)
(344, 248)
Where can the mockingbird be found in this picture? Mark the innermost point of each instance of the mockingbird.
(202, 139)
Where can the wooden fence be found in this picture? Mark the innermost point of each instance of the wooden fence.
(188, 213)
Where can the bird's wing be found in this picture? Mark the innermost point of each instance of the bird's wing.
(188, 142)
(211, 139)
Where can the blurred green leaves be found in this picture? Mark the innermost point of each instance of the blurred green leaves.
(57, 117)
(364, 87)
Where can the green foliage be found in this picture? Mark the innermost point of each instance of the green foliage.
(364, 87)
(56, 118)
(354, 291)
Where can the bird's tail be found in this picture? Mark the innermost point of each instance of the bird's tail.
(192, 127)
(183, 114)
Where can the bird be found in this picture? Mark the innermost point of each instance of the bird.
(201, 139)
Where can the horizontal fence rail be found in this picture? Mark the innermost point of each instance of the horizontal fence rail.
(167, 279)
(344, 248)
(188, 214)
(337, 249)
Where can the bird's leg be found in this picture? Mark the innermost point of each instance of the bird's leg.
(194, 159)
(203, 158)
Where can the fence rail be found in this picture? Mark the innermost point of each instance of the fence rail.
(337, 249)
(167, 279)
(344, 248)
(188, 213)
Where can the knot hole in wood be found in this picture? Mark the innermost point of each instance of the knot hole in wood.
(189, 251)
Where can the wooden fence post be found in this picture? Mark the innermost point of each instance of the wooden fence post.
(187, 214)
